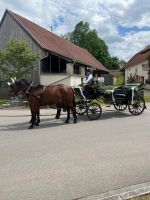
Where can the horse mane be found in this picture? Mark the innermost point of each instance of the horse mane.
(25, 80)
(38, 86)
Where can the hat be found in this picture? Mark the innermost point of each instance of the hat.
(89, 70)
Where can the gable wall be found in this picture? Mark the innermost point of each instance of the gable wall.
(136, 69)
(9, 30)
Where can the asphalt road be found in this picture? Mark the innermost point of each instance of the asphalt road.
(58, 161)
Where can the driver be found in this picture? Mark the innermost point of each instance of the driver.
(87, 82)
(88, 78)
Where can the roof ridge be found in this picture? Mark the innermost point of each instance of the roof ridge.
(145, 49)
(136, 58)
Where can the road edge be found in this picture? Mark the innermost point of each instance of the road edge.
(122, 194)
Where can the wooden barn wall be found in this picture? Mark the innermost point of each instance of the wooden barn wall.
(9, 30)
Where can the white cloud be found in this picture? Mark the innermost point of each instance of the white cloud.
(131, 44)
(104, 16)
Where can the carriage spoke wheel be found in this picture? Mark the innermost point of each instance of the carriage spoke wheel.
(138, 105)
(120, 107)
(80, 108)
(94, 111)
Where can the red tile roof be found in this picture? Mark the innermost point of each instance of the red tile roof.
(138, 57)
(53, 43)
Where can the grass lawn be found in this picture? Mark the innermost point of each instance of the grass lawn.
(3, 101)
(147, 98)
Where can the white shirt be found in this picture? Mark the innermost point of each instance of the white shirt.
(87, 80)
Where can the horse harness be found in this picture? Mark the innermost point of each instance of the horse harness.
(32, 86)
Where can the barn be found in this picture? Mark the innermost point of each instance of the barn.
(60, 60)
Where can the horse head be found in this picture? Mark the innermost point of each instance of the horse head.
(18, 86)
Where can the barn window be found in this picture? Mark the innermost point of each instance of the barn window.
(53, 64)
(76, 69)
(45, 64)
(62, 65)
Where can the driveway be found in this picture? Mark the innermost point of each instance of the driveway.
(70, 161)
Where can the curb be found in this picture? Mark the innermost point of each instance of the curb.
(122, 194)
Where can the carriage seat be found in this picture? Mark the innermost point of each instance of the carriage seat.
(121, 92)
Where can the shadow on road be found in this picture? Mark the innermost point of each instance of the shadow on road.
(107, 115)
(45, 123)
(25, 115)
(51, 122)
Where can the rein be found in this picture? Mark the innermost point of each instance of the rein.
(27, 92)
(28, 89)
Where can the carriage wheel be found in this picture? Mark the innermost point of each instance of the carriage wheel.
(81, 108)
(94, 111)
(120, 107)
(138, 105)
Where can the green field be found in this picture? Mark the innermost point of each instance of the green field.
(3, 101)
(147, 98)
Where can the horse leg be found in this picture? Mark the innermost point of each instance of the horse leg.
(58, 111)
(74, 114)
(73, 106)
(68, 115)
(33, 120)
(38, 118)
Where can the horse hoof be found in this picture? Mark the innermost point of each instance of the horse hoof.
(57, 117)
(37, 124)
(75, 121)
(30, 127)
(66, 122)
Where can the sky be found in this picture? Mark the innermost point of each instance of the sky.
(123, 24)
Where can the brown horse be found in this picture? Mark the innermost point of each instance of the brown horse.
(46, 95)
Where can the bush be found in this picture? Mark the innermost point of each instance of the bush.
(120, 80)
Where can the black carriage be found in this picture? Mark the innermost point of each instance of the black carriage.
(87, 103)
(130, 96)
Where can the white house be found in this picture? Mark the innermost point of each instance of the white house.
(138, 67)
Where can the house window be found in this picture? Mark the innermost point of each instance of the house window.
(76, 69)
(53, 64)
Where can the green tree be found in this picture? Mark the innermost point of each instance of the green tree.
(88, 39)
(120, 80)
(17, 60)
